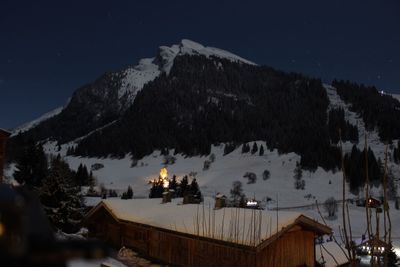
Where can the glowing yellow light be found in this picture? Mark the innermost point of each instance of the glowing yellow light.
(164, 177)
(166, 183)
(164, 173)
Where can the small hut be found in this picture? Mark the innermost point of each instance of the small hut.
(373, 246)
(220, 201)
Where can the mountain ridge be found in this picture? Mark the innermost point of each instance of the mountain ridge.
(129, 81)
(189, 97)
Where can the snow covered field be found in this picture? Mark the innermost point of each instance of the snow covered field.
(118, 174)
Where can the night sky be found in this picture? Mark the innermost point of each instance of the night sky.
(48, 49)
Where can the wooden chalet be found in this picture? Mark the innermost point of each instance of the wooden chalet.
(3, 139)
(195, 236)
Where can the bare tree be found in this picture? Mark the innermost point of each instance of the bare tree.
(236, 192)
(331, 206)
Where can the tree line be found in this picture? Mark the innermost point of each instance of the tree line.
(199, 104)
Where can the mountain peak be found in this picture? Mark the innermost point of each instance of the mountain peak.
(166, 54)
(191, 44)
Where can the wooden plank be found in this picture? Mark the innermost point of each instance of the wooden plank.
(292, 249)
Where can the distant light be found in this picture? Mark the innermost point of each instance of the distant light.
(382, 92)
(252, 203)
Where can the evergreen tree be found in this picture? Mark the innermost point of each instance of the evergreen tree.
(82, 176)
(156, 190)
(194, 186)
(91, 179)
(254, 148)
(245, 148)
(242, 201)
(299, 183)
(236, 193)
(228, 148)
(173, 184)
(61, 197)
(184, 185)
(31, 165)
(261, 150)
(129, 193)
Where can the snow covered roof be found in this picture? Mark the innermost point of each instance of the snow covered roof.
(220, 195)
(243, 226)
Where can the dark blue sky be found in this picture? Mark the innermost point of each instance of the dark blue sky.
(50, 48)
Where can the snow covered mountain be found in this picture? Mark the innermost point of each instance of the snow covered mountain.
(149, 68)
(99, 103)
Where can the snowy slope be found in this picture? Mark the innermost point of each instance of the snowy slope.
(29, 125)
(118, 174)
(150, 68)
(135, 78)
(372, 136)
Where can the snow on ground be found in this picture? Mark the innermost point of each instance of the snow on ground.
(339, 257)
(118, 174)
